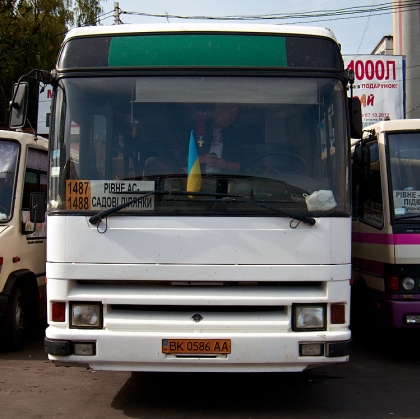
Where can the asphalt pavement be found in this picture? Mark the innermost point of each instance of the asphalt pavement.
(381, 380)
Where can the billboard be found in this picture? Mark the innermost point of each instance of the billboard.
(379, 84)
(44, 110)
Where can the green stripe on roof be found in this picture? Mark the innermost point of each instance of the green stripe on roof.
(197, 50)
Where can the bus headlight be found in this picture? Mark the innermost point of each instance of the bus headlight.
(408, 283)
(309, 317)
(86, 315)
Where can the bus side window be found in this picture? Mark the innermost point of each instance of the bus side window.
(35, 176)
(370, 191)
(35, 181)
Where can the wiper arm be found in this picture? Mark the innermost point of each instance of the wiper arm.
(144, 194)
(407, 217)
(301, 217)
(225, 198)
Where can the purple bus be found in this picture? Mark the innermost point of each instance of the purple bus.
(386, 226)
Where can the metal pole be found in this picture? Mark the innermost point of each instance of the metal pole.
(117, 20)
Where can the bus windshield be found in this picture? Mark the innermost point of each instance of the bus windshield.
(8, 164)
(275, 140)
(404, 153)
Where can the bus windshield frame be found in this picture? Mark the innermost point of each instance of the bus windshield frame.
(115, 136)
(9, 159)
(403, 149)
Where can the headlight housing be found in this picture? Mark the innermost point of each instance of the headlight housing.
(85, 315)
(309, 317)
(408, 283)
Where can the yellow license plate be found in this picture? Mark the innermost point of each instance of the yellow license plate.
(196, 346)
(78, 194)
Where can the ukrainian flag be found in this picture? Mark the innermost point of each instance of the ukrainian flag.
(194, 171)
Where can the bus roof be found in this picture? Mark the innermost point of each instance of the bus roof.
(200, 27)
(200, 46)
(24, 138)
(395, 125)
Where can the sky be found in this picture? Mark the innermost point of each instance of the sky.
(358, 32)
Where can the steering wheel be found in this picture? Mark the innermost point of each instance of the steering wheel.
(291, 163)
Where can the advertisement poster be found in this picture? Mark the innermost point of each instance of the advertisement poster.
(379, 84)
(44, 110)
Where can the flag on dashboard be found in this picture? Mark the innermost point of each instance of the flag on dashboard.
(194, 171)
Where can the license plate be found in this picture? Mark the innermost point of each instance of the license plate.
(196, 346)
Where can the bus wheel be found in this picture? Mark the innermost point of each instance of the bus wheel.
(13, 320)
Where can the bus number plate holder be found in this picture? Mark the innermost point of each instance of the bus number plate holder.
(196, 346)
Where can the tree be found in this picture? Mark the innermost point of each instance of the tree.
(87, 12)
(31, 33)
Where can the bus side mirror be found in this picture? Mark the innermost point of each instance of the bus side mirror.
(355, 113)
(37, 213)
(361, 163)
(18, 105)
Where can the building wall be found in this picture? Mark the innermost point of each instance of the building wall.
(406, 25)
(385, 46)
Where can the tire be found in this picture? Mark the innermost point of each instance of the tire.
(13, 322)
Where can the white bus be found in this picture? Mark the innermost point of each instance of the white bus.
(23, 193)
(386, 226)
(199, 213)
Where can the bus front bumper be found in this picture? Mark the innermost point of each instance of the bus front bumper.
(402, 314)
(251, 352)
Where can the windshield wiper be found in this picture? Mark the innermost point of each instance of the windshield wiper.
(407, 217)
(144, 194)
(225, 198)
(297, 216)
